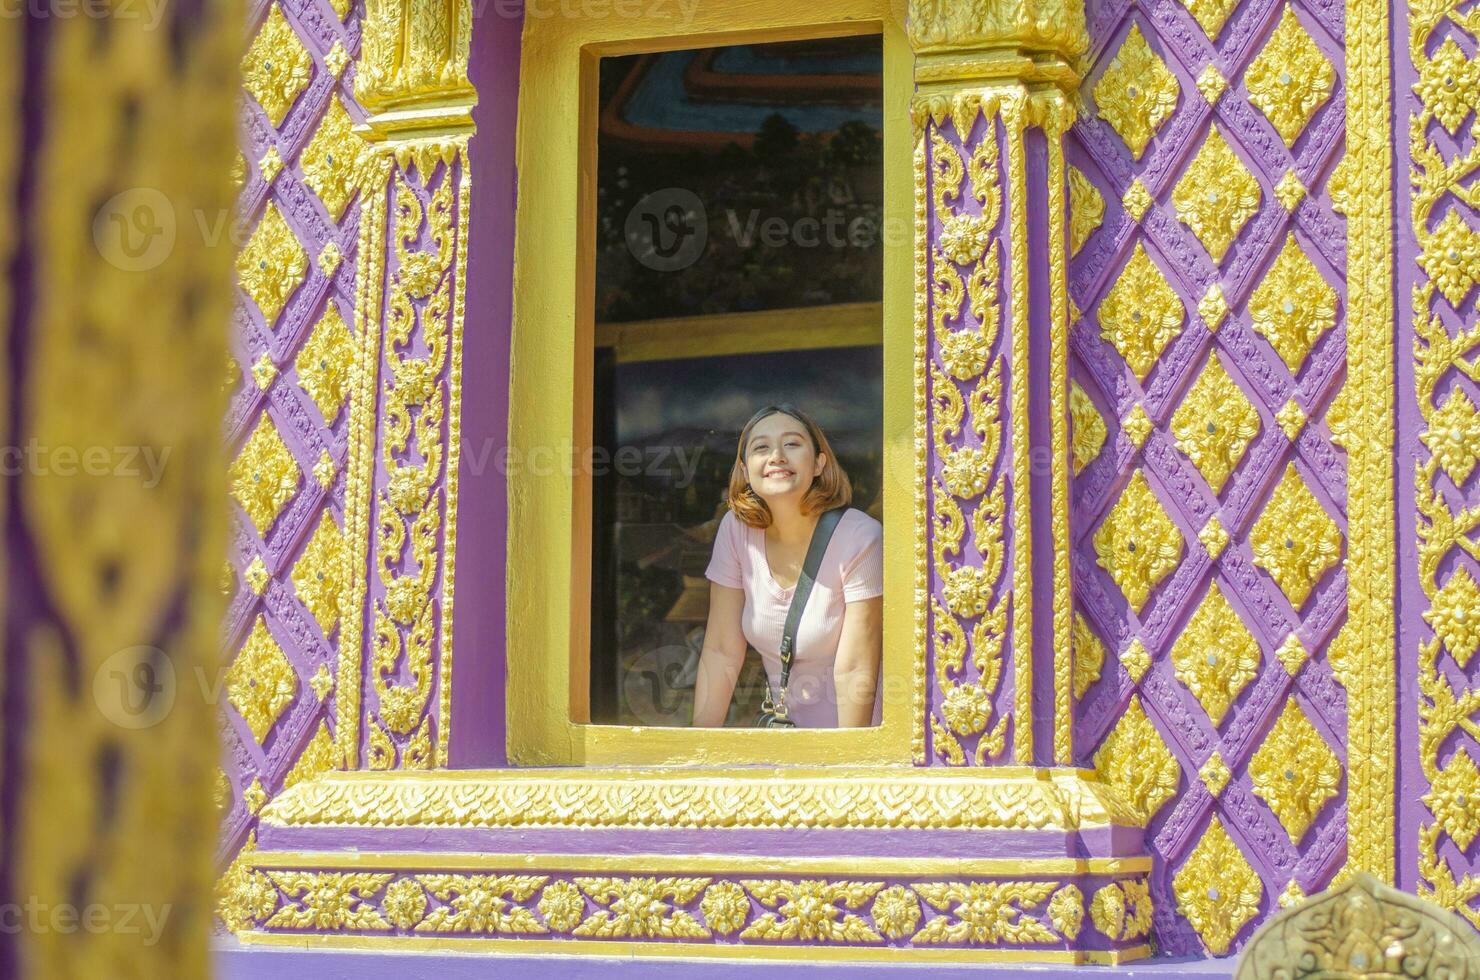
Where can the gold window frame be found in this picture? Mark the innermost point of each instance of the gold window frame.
(549, 546)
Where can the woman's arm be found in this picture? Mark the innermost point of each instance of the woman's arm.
(722, 657)
(856, 670)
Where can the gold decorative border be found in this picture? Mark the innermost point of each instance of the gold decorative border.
(454, 443)
(922, 447)
(1014, 121)
(1000, 798)
(360, 464)
(1058, 115)
(1371, 542)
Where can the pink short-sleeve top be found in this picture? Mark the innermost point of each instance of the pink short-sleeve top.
(852, 569)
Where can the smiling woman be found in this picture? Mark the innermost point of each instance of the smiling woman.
(799, 576)
(739, 202)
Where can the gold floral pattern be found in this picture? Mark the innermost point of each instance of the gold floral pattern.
(985, 912)
(318, 757)
(1086, 209)
(1141, 313)
(1213, 307)
(562, 906)
(1137, 93)
(726, 907)
(1217, 195)
(1453, 436)
(1294, 771)
(1291, 419)
(1135, 660)
(1089, 656)
(1451, 257)
(405, 903)
(1137, 200)
(1134, 759)
(1137, 425)
(1216, 890)
(277, 67)
(1293, 305)
(261, 682)
(1087, 427)
(1290, 79)
(328, 900)
(1454, 799)
(1215, 424)
(813, 910)
(1212, 84)
(1449, 85)
(1455, 615)
(331, 162)
(1210, 15)
(1066, 911)
(1138, 544)
(1290, 190)
(1295, 540)
(272, 265)
(896, 912)
(264, 476)
(482, 904)
(325, 363)
(320, 576)
(1214, 537)
(1215, 655)
(1215, 773)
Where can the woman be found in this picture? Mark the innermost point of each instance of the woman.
(785, 477)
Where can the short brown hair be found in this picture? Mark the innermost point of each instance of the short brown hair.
(830, 489)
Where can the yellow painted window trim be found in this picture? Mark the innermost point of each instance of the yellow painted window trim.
(550, 402)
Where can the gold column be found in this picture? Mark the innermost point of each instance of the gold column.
(995, 85)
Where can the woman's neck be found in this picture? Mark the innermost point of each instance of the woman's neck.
(789, 525)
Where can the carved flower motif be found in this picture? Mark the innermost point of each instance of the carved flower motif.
(964, 238)
(896, 912)
(964, 354)
(1453, 436)
(968, 591)
(1293, 306)
(245, 897)
(810, 906)
(967, 709)
(1107, 911)
(1138, 544)
(408, 488)
(1454, 799)
(1216, 889)
(725, 906)
(968, 472)
(1087, 427)
(1451, 257)
(1295, 772)
(1455, 617)
(562, 906)
(1137, 93)
(1449, 84)
(405, 903)
(1295, 540)
(1290, 79)
(1066, 911)
(403, 599)
(1141, 314)
(419, 273)
(1216, 195)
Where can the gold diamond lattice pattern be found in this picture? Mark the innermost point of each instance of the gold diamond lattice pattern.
(1293, 305)
(1454, 799)
(264, 475)
(1295, 771)
(326, 361)
(277, 67)
(1290, 79)
(1215, 424)
(1295, 540)
(1138, 544)
(319, 576)
(1087, 425)
(1137, 93)
(1217, 195)
(1141, 313)
(261, 682)
(1453, 436)
(1135, 760)
(331, 160)
(1210, 15)
(272, 265)
(1216, 889)
(1215, 654)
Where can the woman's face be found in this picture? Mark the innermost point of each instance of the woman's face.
(779, 458)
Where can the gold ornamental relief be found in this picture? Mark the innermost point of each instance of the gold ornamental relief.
(947, 26)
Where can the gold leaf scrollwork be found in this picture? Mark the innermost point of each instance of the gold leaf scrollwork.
(812, 910)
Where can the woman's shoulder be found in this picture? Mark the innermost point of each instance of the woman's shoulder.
(860, 527)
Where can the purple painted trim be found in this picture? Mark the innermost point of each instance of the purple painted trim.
(233, 962)
(1104, 842)
(477, 735)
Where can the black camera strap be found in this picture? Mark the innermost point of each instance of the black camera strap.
(821, 535)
